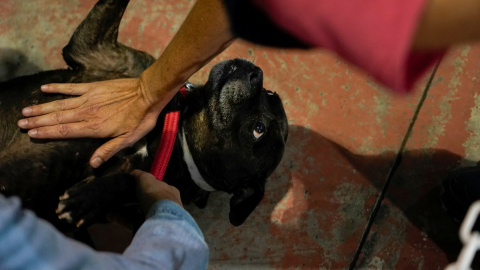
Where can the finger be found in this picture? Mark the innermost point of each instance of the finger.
(66, 88)
(62, 131)
(139, 173)
(143, 176)
(108, 150)
(50, 119)
(54, 106)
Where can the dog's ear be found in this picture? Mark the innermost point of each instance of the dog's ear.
(244, 200)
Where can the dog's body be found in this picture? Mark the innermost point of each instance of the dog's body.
(231, 136)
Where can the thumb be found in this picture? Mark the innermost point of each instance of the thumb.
(108, 150)
(138, 173)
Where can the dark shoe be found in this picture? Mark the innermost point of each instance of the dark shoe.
(461, 189)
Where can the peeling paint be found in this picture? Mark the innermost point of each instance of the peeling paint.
(382, 107)
(437, 128)
(471, 145)
(459, 64)
(361, 104)
(439, 121)
(312, 109)
(351, 198)
(376, 263)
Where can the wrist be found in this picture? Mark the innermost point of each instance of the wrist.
(157, 89)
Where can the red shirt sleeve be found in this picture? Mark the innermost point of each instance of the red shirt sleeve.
(374, 35)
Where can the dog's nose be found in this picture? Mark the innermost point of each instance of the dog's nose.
(256, 77)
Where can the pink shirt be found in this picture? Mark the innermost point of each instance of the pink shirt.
(374, 35)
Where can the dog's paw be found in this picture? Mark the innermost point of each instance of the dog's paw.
(83, 203)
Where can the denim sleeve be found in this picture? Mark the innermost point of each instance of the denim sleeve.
(182, 245)
(169, 239)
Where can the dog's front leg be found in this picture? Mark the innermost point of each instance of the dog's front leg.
(93, 198)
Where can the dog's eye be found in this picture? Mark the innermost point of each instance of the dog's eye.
(258, 130)
(270, 93)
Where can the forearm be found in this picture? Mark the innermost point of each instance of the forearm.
(204, 34)
(445, 23)
(169, 238)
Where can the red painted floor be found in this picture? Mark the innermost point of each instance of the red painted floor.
(345, 134)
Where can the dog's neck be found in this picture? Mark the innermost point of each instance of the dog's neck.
(192, 168)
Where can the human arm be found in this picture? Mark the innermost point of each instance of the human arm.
(168, 239)
(445, 23)
(394, 41)
(428, 29)
(127, 109)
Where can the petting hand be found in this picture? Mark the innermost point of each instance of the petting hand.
(151, 190)
(120, 109)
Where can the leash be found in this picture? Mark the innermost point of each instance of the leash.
(167, 141)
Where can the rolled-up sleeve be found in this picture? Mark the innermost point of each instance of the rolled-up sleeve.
(169, 239)
(182, 245)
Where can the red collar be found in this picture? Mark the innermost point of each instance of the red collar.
(169, 133)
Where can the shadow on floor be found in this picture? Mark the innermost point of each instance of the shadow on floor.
(317, 203)
(415, 189)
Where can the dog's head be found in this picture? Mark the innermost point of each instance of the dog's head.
(237, 134)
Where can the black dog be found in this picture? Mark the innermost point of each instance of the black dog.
(231, 137)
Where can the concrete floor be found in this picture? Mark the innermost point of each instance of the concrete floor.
(345, 134)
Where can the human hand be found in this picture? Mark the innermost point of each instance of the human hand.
(120, 109)
(151, 190)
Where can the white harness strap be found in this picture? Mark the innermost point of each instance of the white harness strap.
(192, 168)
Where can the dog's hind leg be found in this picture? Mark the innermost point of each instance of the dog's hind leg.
(94, 43)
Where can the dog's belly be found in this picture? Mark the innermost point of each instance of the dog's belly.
(29, 169)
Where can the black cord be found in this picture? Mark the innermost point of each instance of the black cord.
(393, 168)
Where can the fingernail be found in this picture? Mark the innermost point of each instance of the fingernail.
(26, 111)
(32, 132)
(44, 87)
(96, 162)
(60, 208)
(80, 223)
(23, 122)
